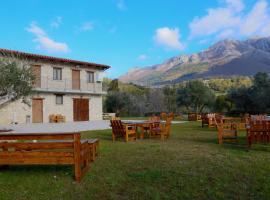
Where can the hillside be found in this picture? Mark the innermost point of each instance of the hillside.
(224, 59)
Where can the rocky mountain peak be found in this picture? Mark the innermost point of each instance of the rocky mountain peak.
(225, 58)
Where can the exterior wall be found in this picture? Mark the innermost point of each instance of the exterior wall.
(95, 108)
(17, 112)
(47, 81)
(14, 112)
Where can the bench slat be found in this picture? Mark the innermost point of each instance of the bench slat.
(36, 137)
(36, 146)
(26, 154)
(37, 161)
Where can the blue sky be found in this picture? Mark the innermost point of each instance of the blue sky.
(127, 33)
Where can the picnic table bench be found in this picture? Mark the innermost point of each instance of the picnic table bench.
(258, 131)
(194, 117)
(48, 149)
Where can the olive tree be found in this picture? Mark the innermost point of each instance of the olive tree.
(16, 79)
(195, 96)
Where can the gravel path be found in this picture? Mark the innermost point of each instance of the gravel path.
(62, 127)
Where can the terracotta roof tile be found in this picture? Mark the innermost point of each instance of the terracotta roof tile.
(54, 59)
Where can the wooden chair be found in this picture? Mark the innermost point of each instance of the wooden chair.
(194, 117)
(162, 130)
(226, 131)
(52, 118)
(120, 130)
(171, 115)
(258, 117)
(154, 118)
(209, 120)
(94, 148)
(115, 118)
(258, 131)
(163, 116)
(239, 122)
(57, 118)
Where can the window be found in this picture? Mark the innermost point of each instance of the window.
(59, 99)
(57, 73)
(90, 77)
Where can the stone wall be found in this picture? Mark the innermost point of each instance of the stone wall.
(17, 112)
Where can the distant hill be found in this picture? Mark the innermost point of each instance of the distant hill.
(223, 59)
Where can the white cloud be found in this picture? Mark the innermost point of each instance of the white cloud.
(169, 38)
(142, 57)
(226, 34)
(45, 42)
(215, 21)
(232, 20)
(56, 23)
(87, 26)
(121, 5)
(204, 41)
(236, 5)
(256, 19)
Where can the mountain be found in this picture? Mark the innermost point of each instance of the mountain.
(223, 59)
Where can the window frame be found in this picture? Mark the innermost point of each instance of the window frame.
(55, 74)
(62, 99)
(88, 77)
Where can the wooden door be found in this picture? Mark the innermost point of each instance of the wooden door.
(36, 69)
(37, 110)
(81, 109)
(76, 80)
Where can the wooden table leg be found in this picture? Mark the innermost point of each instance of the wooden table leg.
(142, 132)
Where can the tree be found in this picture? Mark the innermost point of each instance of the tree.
(195, 96)
(259, 92)
(254, 99)
(138, 104)
(16, 80)
(170, 98)
(156, 101)
(241, 99)
(222, 104)
(113, 85)
(117, 102)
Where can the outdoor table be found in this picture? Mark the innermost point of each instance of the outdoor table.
(143, 125)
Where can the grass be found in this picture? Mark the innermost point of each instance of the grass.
(190, 165)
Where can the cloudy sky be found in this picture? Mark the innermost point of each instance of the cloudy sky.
(128, 33)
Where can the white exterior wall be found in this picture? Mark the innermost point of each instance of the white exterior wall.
(95, 108)
(47, 81)
(17, 112)
(14, 112)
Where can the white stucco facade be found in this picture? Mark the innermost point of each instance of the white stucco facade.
(20, 113)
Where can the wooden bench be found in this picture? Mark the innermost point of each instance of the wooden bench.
(227, 131)
(108, 116)
(57, 118)
(258, 131)
(94, 148)
(48, 149)
(194, 117)
(240, 122)
(209, 120)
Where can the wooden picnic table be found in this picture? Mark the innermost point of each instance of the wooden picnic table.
(47, 149)
(142, 125)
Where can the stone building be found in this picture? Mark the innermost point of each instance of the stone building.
(64, 87)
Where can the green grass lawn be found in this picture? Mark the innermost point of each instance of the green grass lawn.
(190, 165)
